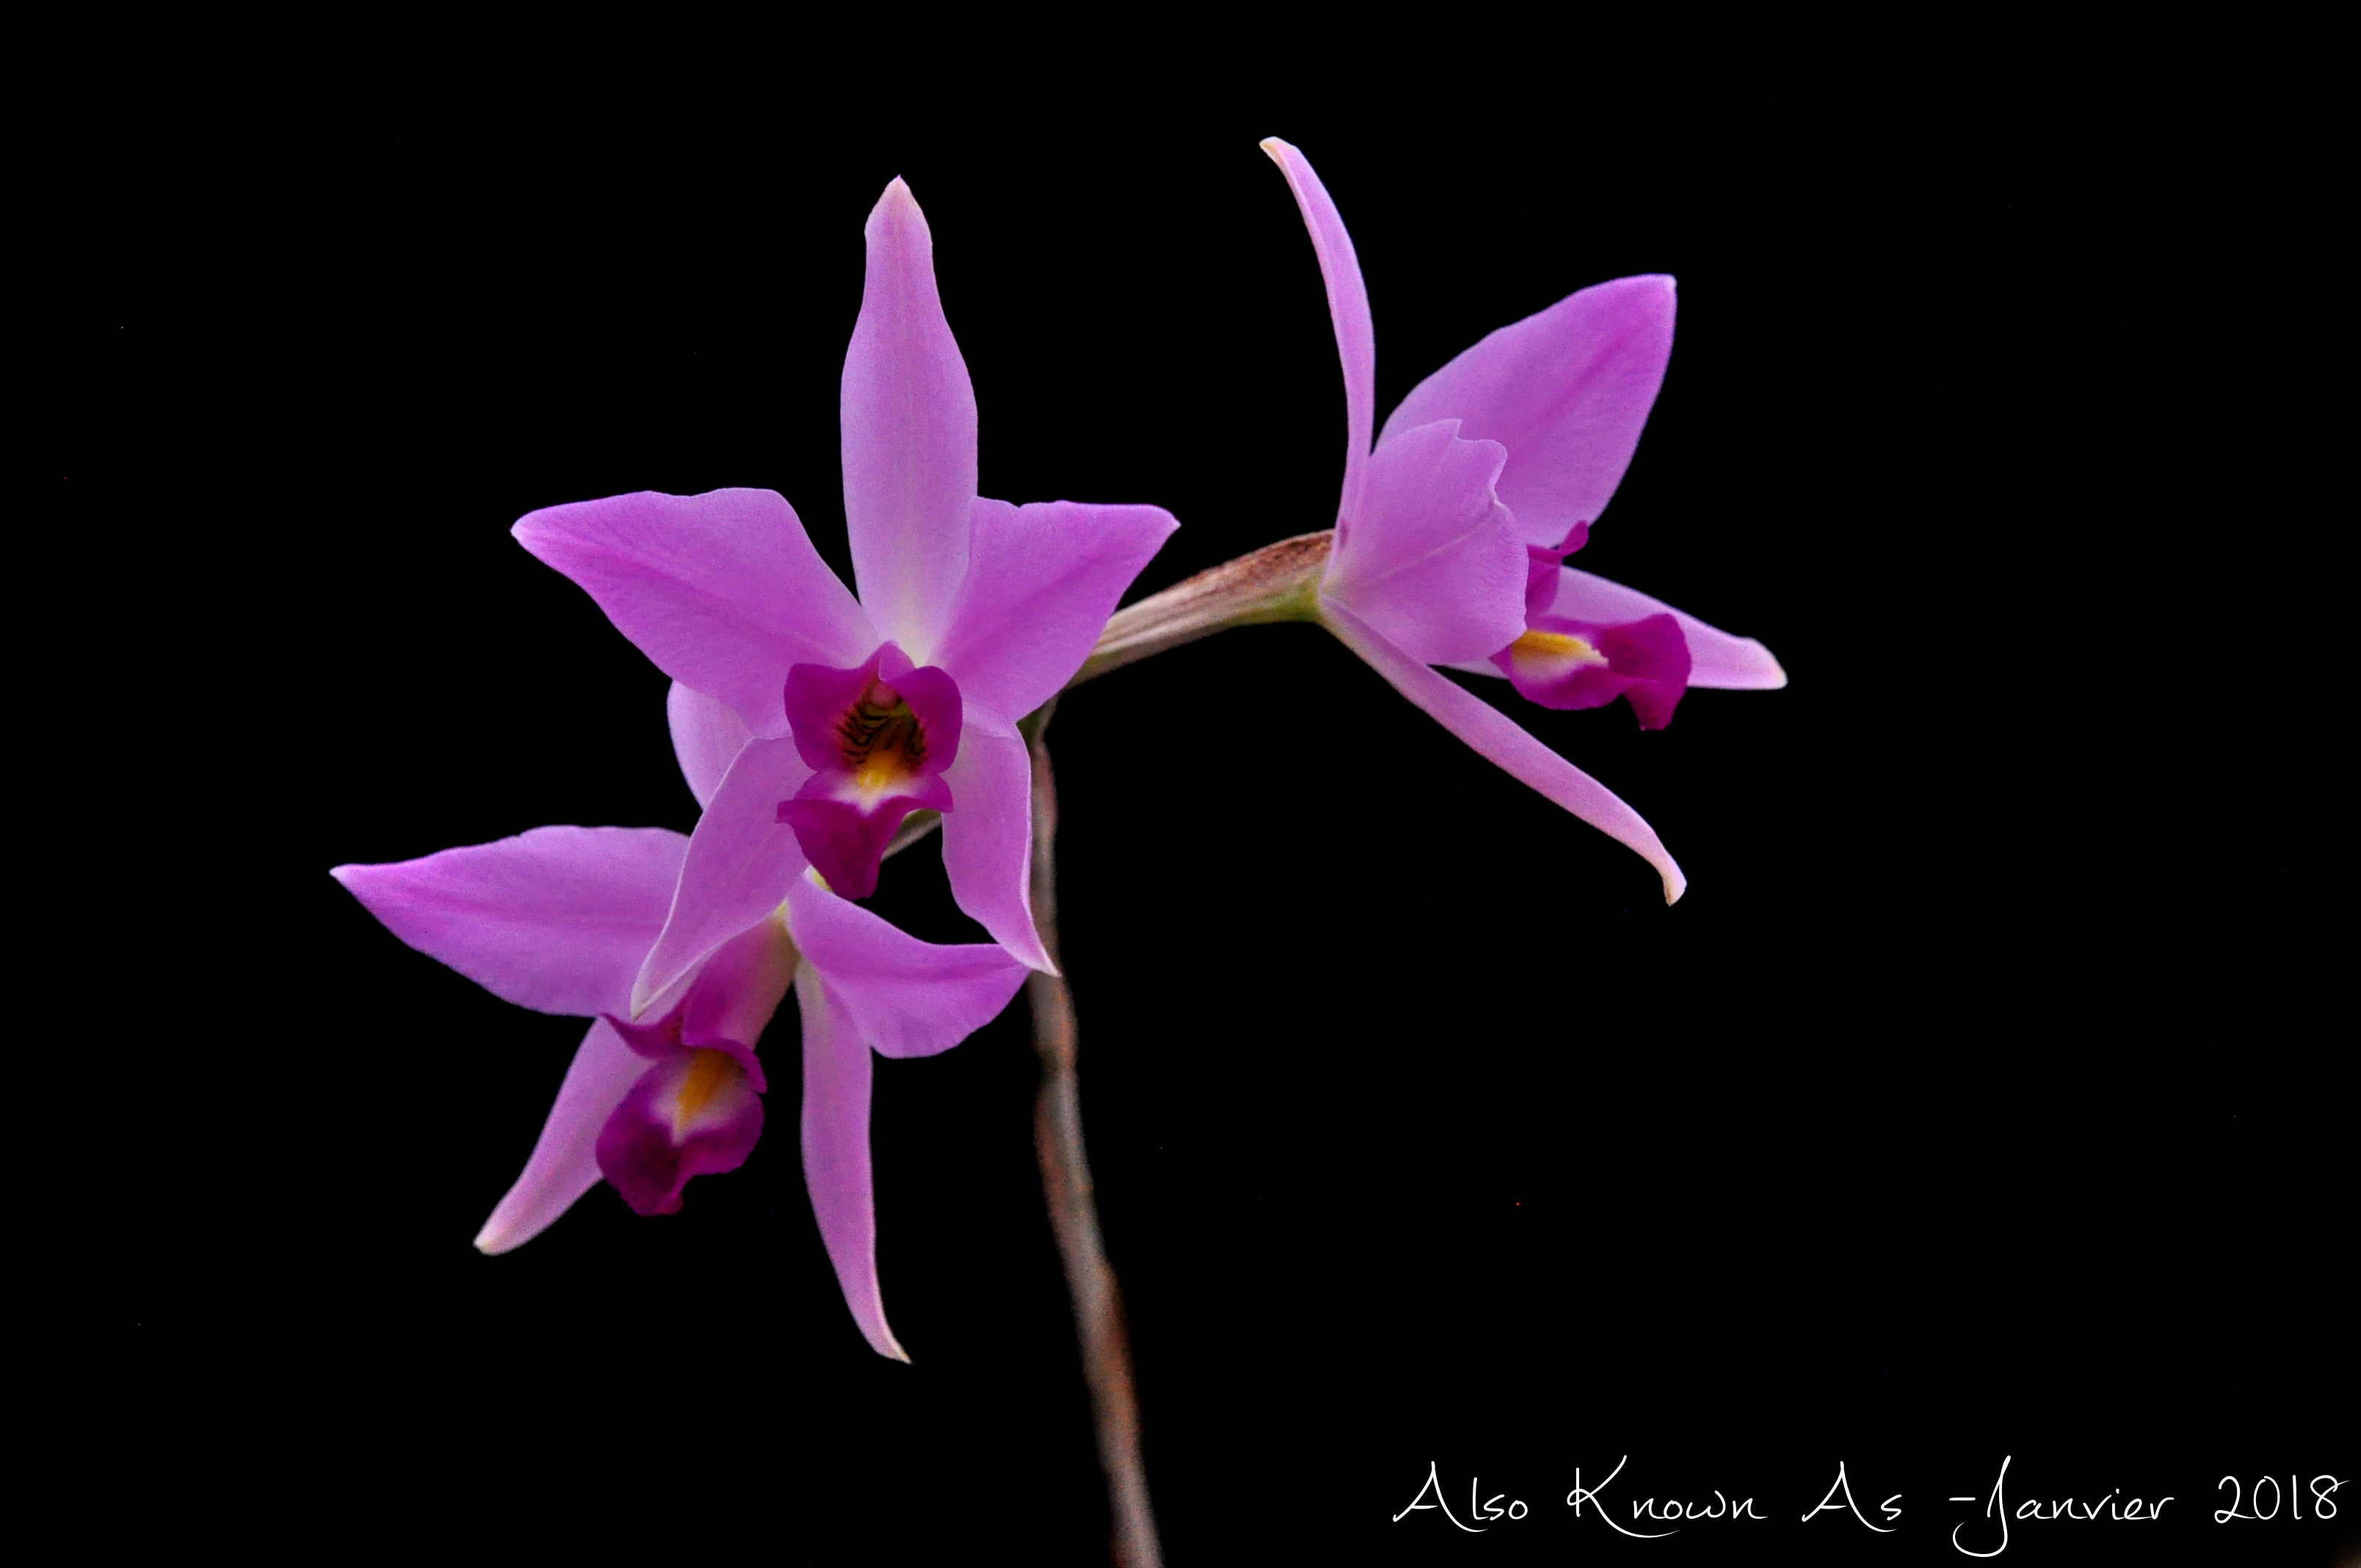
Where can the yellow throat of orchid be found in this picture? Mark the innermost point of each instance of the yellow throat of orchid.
(882, 743)
(709, 1072)
(1557, 646)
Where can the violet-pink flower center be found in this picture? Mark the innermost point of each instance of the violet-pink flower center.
(877, 737)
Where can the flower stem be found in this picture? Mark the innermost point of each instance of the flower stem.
(1073, 1214)
(1277, 582)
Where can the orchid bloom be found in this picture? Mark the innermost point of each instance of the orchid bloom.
(558, 920)
(848, 713)
(1451, 532)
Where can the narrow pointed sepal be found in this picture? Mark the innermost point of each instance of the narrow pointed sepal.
(908, 434)
(565, 1160)
(1500, 742)
(1348, 312)
(837, 1075)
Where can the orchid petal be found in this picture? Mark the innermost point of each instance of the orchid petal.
(908, 412)
(1435, 565)
(1041, 581)
(1348, 310)
(739, 864)
(906, 997)
(1566, 391)
(1716, 658)
(723, 591)
(706, 737)
(564, 1163)
(555, 919)
(837, 1072)
(1499, 741)
(988, 841)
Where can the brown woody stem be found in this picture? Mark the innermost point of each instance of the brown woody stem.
(1073, 1212)
(1278, 582)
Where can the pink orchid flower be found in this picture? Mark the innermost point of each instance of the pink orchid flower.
(848, 713)
(558, 920)
(1450, 532)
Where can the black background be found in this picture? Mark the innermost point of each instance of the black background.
(1971, 1105)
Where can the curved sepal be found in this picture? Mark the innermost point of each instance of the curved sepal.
(1349, 312)
(565, 1161)
(1499, 740)
(837, 1073)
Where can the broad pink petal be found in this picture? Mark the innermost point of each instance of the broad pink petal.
(1041, 581)
(1435, 565)
(723, 591)
(1716, 658)
(1566, 391)
(705, 736)
(988, 841)
(837, 1072)
(906, 998)
(564, 1163)
(555, 919)
(1348, 311)
(1499, 741)
(909, 435)
(739, 864)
